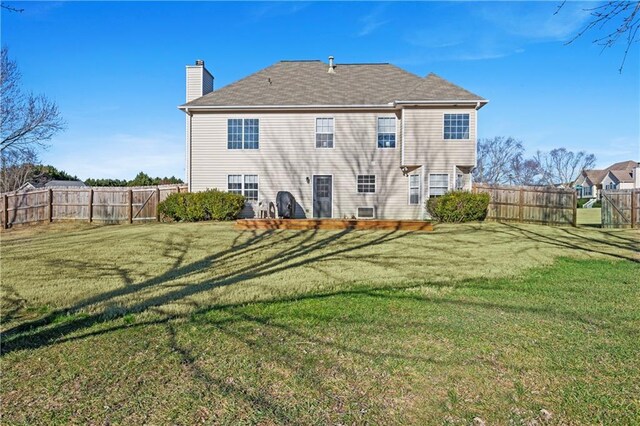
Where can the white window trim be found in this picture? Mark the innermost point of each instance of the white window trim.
(315, 128)
(242, 141)
(429, 183)
(375, 184)
(443, 131)
(366, 207)
(242, 175)
(409, 203)
(395, 122)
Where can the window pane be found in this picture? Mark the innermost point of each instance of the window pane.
(438, 184)
(386, 132)
(251, 187)
(456, 126)
(366, 183)
(234, 184)
(234, 133)
(251, 133)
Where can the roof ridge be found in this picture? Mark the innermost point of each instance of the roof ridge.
(299, 60)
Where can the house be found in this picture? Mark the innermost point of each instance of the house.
(51, 184)
(342, 140)
(623, 175)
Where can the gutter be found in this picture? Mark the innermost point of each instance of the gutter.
(392, 105)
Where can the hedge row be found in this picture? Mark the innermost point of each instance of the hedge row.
(459, 206)
(197, 206)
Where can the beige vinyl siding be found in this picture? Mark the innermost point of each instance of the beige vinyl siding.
(194, 82)
(287, 157)
(424, 142)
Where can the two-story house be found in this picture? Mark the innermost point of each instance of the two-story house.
(364, 140)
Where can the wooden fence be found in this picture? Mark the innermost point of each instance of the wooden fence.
(534, 204)
(91, 204)
(620, 208)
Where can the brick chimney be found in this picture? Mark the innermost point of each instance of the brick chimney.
(199, 80)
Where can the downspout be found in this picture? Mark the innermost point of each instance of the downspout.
(189, 162)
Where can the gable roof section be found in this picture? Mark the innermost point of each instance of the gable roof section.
(301, 83)
(623, 165)
(623, 176)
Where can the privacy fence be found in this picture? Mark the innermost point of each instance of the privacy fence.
(620, 208)
(533, 204)
(91, 204)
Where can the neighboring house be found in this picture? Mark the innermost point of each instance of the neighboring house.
(364, 140)
(51, 184)
(623, 175)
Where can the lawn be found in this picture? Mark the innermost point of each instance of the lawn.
(589, 216)
(199, 323)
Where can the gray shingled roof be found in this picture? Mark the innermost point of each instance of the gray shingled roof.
(309, 83)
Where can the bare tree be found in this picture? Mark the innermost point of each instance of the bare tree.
(496, 157)
(27, 121)
(525, 171)
(17, 167)
(11, 8)
(615, 21)
(561, 166)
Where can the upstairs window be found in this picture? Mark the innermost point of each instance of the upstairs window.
(611, 185)
(243, 133)
(324, 132)
(414, 189)
(386, 132)
(366, 184)
(456, 126)
(438, 184)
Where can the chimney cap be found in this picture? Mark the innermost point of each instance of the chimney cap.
(331, 65)
(200, 62)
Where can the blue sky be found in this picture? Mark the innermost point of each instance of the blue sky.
(116, 69)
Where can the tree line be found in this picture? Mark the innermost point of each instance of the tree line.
(502, 161)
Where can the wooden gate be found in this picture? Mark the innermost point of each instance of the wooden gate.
(620, 208)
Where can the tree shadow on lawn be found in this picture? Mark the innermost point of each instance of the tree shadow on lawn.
(50, 328)
(314, 247)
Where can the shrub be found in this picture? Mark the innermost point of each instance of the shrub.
(459, 206)
(197, 206)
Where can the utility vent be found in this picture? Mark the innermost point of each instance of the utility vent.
(366, 213)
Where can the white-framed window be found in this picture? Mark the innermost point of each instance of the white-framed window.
(366, 184)
(251, 187)
(459, 181)
(246, 185)
(324, 132)
(587, 191)
(456, 126)
(386, 132)
(438, 184)
(234, 184)
(611, 185)
(414, 189)
(243, 133)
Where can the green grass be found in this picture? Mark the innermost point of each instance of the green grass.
(589, 216)
(199, 323)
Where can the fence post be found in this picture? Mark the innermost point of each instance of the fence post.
(50, 205)
(521, 206)
(634, 207)
(158, 204)
(178, 188)
(574, 222)
(5, 211)
(130, 206)
(91, 205)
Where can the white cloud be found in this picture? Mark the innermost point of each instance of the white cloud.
(372, 21)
